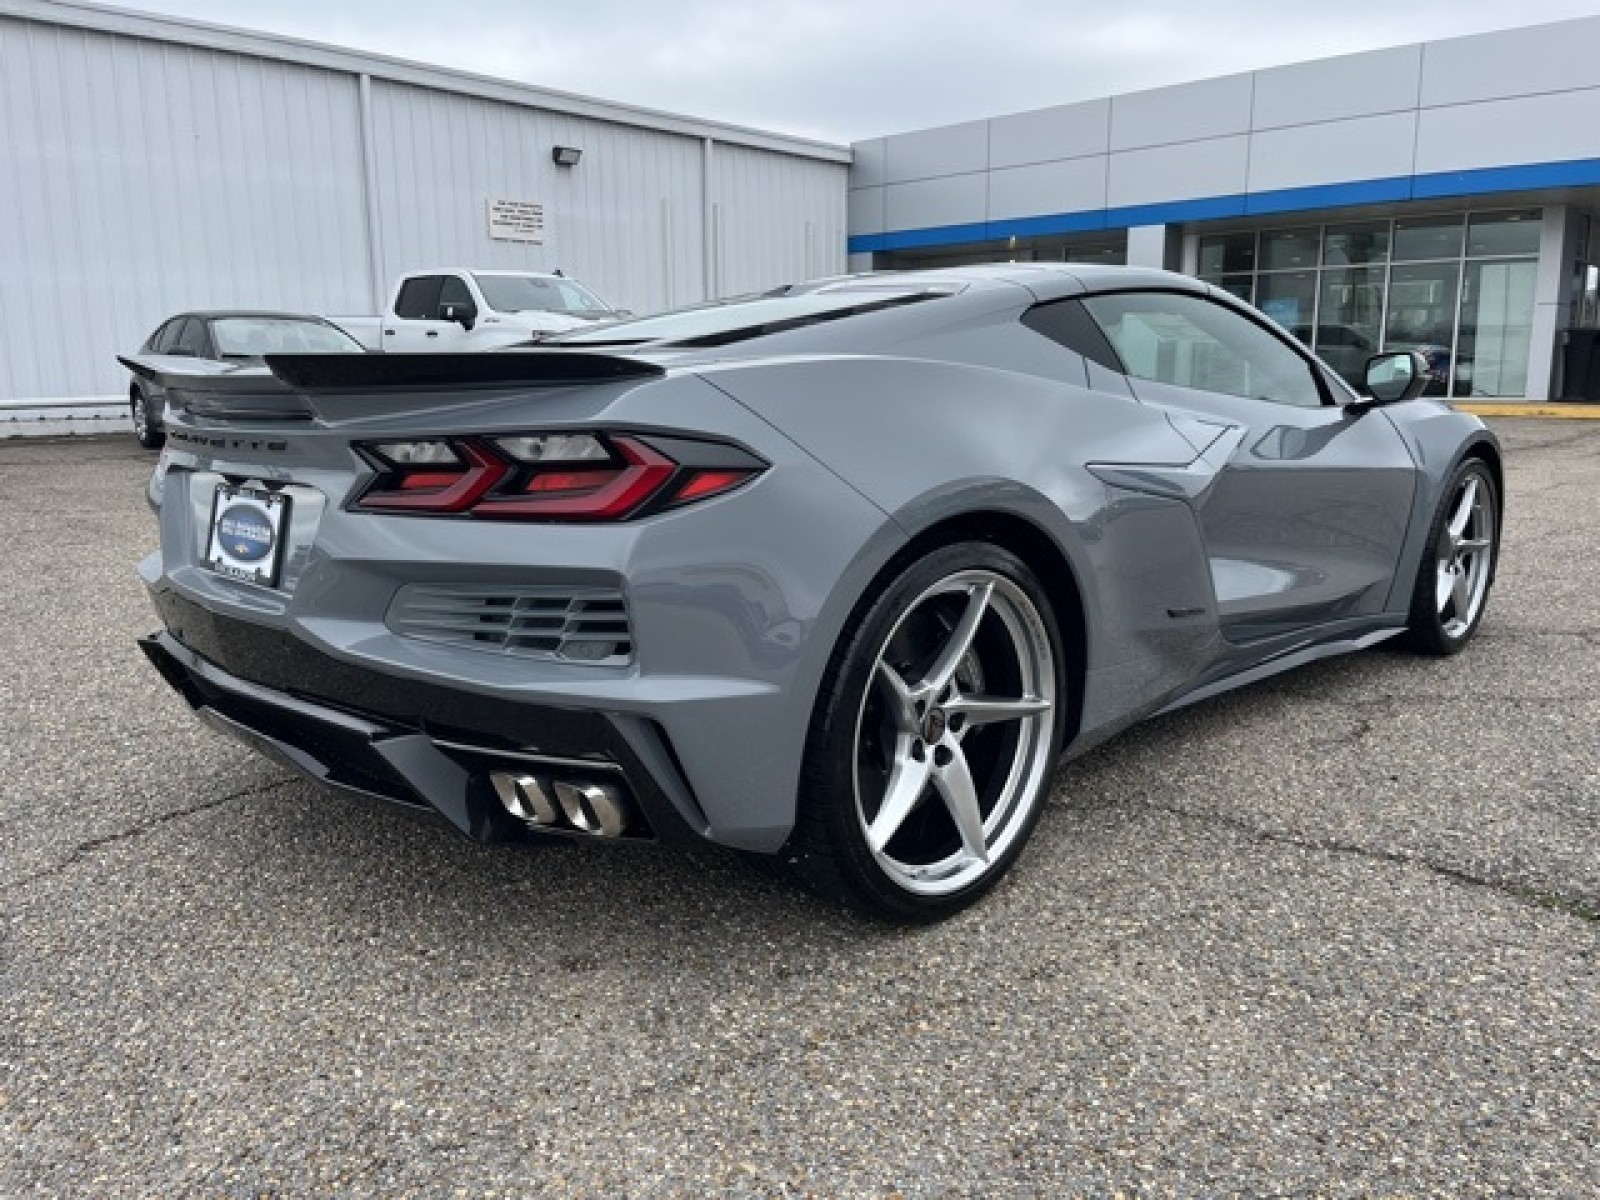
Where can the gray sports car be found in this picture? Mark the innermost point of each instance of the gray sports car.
(835, 574)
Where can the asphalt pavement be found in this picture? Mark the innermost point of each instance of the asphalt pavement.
(1334, 935)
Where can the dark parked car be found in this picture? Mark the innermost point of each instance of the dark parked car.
(221, 342)
(835, 574)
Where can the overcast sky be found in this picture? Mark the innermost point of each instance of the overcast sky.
(843, 71)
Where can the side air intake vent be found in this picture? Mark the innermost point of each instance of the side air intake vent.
(563, 624)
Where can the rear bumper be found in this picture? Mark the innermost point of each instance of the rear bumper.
(362, 733)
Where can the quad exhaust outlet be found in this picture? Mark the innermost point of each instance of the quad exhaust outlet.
(570, 805)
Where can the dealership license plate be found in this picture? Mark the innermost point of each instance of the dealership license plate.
(247, 527)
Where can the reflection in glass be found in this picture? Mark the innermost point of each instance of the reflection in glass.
(1422, 311)
(1111, 254)
(1286, 249)
(1227, 253)
(1353, 245)
(1496, 329)
(1503, 233)
(1350, 321)
(1290, 299)
(1427, 237)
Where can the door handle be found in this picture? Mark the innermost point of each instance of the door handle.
(388, 333)
(433, 333)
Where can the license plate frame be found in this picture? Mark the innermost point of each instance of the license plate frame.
(245, 537)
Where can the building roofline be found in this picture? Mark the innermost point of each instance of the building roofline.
(1248, 72)
(100, 18)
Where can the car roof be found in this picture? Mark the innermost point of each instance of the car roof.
(215, 314)
(1046, 280)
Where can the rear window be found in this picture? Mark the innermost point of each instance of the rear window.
(749, 317)
(253, 337)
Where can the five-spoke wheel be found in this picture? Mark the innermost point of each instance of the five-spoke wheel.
(1458, 566)
(932, 750)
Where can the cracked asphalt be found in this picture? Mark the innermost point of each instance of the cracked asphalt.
(1335, 935)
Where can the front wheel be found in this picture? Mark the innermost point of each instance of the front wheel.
(145, 426)
(1452, 586)
(934, 737)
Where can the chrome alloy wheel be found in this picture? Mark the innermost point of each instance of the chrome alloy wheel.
(953, 737)
(141, 418)
(1465, 557)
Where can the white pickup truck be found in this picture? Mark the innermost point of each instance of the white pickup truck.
(460, 309)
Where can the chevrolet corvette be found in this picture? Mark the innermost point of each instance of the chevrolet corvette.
(835, 574)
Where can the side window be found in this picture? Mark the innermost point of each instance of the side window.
(1191, 342)
(419, 298)
(193, 339)
(161, 340)
(1066, 323)
(453, 291)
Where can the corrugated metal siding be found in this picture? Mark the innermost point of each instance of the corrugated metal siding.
(143, 178)
(777, 219)
(142, 175)
(625, 220)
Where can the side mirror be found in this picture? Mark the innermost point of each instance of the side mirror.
(1393, 378)
(465, 315)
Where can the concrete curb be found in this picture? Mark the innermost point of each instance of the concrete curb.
(1526, 408)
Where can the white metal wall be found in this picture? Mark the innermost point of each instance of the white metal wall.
(149, 166)
(625, 220)
(775, 219)
(138, 178)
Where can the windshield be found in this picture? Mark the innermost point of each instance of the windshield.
(747, 317)
(540, 293)
(252, 337)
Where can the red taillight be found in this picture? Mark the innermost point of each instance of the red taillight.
(702, 484)
(588, 495)
(423, 487)
(550, 477)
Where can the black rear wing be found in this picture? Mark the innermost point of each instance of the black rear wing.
(285, 393)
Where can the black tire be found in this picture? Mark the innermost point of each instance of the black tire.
(1463, 546)
(985, 741)
(146, 427)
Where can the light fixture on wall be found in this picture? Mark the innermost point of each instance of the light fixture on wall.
(565, 156)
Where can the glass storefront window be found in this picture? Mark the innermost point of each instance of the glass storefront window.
(1104, 253)
(1350, 320)
(1227, 254)
(1427, 237)
(1355, 245)
(1496, 328)
(1490, 234)
(1457, 286)
(1287, 249)
(1422, 316)
(1290, 299)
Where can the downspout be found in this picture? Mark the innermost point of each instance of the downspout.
(369, 186)
(708, 224)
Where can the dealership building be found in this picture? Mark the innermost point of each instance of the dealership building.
(151, 165)
(1440, 196)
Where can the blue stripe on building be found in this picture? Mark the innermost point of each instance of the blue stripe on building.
(1439, 185)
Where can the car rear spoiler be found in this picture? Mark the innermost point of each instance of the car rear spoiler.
(366, 372)
(285, 393)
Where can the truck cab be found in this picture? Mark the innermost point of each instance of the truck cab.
(467, 310)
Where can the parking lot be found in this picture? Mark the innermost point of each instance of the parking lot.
(1337, 934)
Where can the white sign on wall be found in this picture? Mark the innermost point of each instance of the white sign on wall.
(516, 221)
